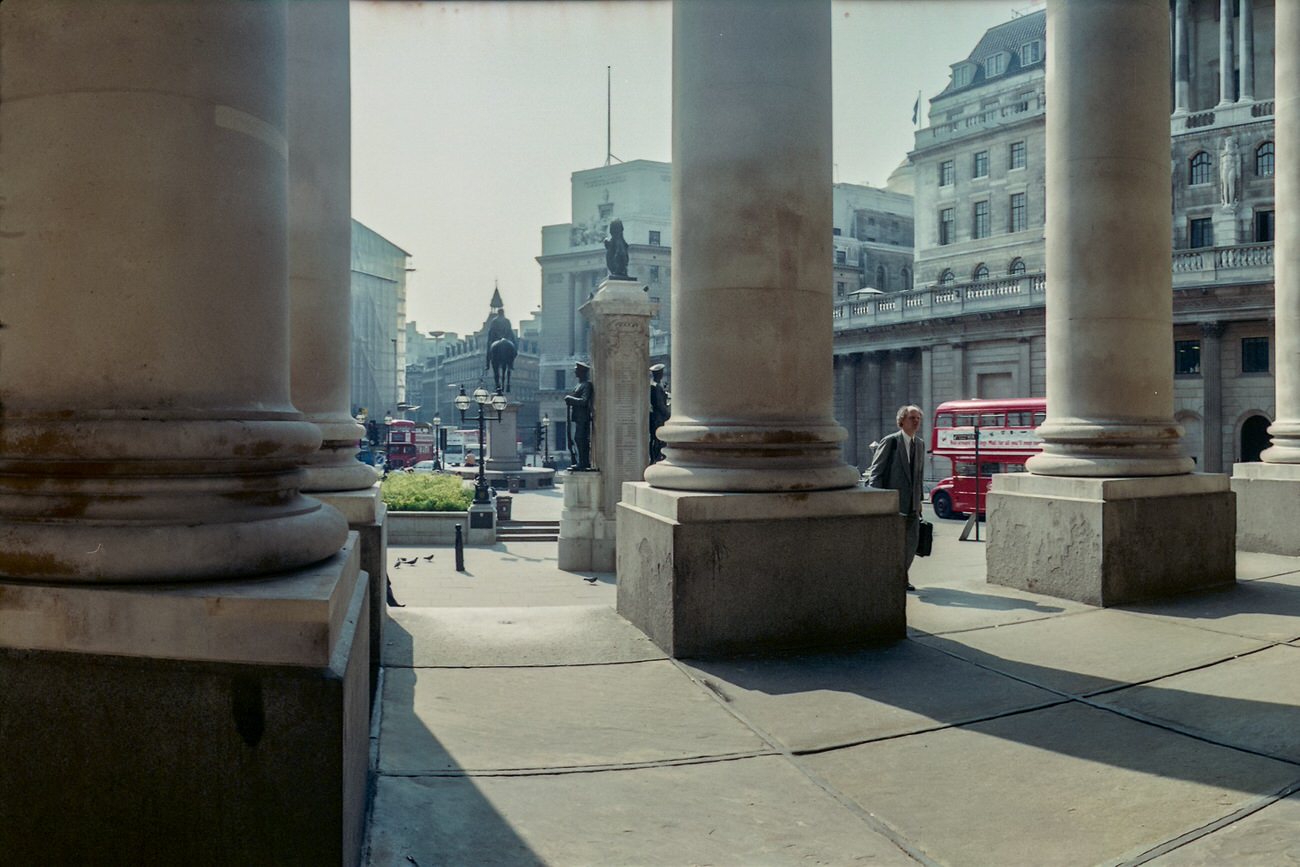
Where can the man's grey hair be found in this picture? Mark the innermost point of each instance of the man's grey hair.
(904, 410)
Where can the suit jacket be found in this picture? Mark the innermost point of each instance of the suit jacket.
(890, 469)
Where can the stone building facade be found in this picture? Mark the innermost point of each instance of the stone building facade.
(974, 324)
(378, 322)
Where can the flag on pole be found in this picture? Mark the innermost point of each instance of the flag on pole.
(916, 109)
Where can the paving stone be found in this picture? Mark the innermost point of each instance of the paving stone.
(1252, 565)
(954, 606)
(437, 719)
(1251, 702)
(1064, 785)
(758, 811)
(824, 700)
(514, 574)
(1096, 650)
(1268, 609)
(554, 635)
(1270, 836)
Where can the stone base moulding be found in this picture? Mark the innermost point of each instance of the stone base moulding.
(725, 574)
(587, 537)
(188, 723)
(1267, 496)
(1111, 541)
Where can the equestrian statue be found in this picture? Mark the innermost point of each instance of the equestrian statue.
(501, 348)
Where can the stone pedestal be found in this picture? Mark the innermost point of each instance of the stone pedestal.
(366, 515)
(620, 314)
(1110, 541)
(187, 723)
(482, 525)
(1227, 227)
(1267, 495)
(587, 537)
(716, 574)
(502, 441)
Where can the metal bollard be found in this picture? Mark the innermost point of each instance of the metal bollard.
(460, 550)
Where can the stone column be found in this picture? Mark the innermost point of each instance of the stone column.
(902, 378)
(1111, 471)
(1024, 366)
(852, 367)
(1212, 388)
(1182, 66)
(1246, 43)
(1267, 491)
(960, 386)
(874, 400)
(753, 533)
(148, 439)
(1225, 53)
(503, 441)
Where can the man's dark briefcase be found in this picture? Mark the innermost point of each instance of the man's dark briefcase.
(925, 540)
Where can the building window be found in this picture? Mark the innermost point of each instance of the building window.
(1264, 160)
(839, 288)
(606, 210)
(947, 226)
(880, 278)
(1017, 222)
(1017, 267)
(841, 258)
(945, 173)
(654, 273)
(947, 278)
(906, 278)
(559, 380)
(995, 65)
(1254, 355)
(1187, 357)
(1263, 226)
(654, 237)
(961, 76)
(836, 232)
(1016, 157)
(981, 227)
(981, 272)
(981, 169)
(1031, 52)
(1199, 172)
(1200, 233)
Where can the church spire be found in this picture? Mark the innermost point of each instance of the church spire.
(496, 297)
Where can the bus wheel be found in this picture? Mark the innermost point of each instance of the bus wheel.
(942, 505)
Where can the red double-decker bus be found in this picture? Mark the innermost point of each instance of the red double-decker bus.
(409, 443)
(1005, 431)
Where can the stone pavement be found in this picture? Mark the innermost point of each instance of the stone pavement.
(524, 722)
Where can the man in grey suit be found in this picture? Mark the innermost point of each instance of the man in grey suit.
(899, 464)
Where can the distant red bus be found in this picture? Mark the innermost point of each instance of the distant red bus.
(409, 443)
(1006, 440)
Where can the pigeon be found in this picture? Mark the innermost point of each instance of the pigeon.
(397, 565)
(429, 558)
(410, 562)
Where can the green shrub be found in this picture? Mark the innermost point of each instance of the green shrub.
(425, 492)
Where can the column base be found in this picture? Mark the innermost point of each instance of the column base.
(587, 538)
(1266, 499)
(1111, 541)
(189, 723)
(726, 574)
(367, 517)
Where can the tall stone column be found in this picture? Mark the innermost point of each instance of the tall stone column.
(1225, 53)
(852, 369)
(1246, 43)
(1212, 386)
(1110, 463)
(1267, 490)
(874, 400)
(150, 455)
(754, 533)
(1182, 66)
(902, 359)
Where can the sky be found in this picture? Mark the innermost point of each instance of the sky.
(468, 119)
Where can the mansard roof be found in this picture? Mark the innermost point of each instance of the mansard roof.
(1008, 37)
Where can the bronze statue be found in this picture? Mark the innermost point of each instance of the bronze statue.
(501, 348)
(616, 251)
(580, 402)
(659, 413)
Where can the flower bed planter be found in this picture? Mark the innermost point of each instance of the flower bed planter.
(435, 528)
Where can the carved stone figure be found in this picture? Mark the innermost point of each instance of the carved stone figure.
(1229, 173)
(580, 404)
(616, 251)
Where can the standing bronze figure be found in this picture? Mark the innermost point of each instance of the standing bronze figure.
(616, 251)
(501, 348)
(659, 413)
(580, 402)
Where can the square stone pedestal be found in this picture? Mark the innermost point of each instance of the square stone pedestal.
(213, 723)
(724, 574)
(1267, 497)
(367, 515)
(1111, 541)
(586, 541)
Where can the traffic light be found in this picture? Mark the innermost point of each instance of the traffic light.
(541, 436)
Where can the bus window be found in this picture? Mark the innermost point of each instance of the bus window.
(989, 468)
(963, 468)
(1018, 419)
(967, 419)
(943, 419)
(1039, 418)
(1013, 468)
(991, 419)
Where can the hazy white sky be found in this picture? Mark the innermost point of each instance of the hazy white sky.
(468, 119)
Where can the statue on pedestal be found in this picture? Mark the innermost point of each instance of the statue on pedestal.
(616, 252)
(501, 348)
(1229, 173)
(659, 413)
(580, 403)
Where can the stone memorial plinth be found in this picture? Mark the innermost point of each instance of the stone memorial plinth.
(1267, 495)
(586, 539)
(1110, 541)
(1227, 226)
(502, 442)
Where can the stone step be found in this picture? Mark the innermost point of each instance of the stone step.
(528, 531)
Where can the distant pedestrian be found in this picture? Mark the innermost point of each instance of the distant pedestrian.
(899, 465)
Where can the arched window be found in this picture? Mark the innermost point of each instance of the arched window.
(880, 278)
(981, 272)
(1200, 169)
(1264, 160)
(947, 278)
(907, 278)
(1017, 266)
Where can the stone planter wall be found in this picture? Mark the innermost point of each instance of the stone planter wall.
(435, 528)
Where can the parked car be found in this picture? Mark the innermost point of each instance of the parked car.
(425, 467)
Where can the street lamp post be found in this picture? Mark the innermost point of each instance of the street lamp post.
(546, 439)
(437, 441)
(484, 400)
